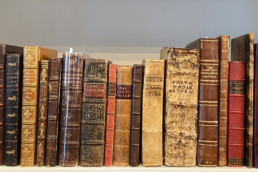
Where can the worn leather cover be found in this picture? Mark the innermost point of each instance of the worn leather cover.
(236, 113)
(13, 109)
(32, 56)
(55, 71)
(111, 113)
(207, 153)
(123, 116)
(136, 115)
(71, 108)
(94, 112)
(255, 156)
(242, 50)
(152, 112)
(181, 103)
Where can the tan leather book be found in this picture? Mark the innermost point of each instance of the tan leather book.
(152, 112)
(123, 116)
(32, 56)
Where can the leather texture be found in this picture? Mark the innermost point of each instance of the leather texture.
(255, 156)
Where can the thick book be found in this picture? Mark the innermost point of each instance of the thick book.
(54, 87)
(13, 105)
(152, 112)
(255, 156)
(236, 113)
(123, 116)
(111, 112)
(208, 105)
(94, 112)
(136, 115)
(242, 50)
(181, 103)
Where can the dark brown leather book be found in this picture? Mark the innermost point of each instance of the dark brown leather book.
(255, 156)
(207, 150)
(13, 109)
(136, 115)
(54, 87)
(94, 112)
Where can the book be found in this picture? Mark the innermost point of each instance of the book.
(255, 156)
(123, 116)
(152, 112)
(208, 105)
(111, 112)
(13, 105)
(136, 115)
(94, 112)
(32, 56)
(181, 103)
(236, 113)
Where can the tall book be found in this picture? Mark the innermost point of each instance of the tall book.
(136, 115)
(181, 103)
(123, 116)
(13, 104)
(236, 113)
(208, 105)
(242, 50)
(54, 87)
(152, 112)
(32, 57)
(255, 157)
(4, 50)
(71, 109)
(94, 112)
(111, 112)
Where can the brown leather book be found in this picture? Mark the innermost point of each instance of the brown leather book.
(242, 50)
(255, 156)
(181, 103)
(42, 112)
(152, 112)
(207, 150)
(32, 56)
(136, 115)
(94, 112)
(55, 71)
(123, 116)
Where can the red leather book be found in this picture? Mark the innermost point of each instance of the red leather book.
(236, 114)
(255, 156)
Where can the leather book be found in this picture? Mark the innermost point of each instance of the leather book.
(111, 113)
(207, 145)
(255, 156)
(94, 112)
(71, 109)
(123, 116)
(54, 87)
(32, 56)
(181, 103)
(236, 113)
(42, 112)
(152, 112)
(242, 50)
(13, 102)
(136, 115)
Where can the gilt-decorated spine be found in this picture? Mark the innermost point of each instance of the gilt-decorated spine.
(255, 107)
(2, 101)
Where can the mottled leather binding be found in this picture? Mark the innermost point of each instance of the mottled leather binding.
(54, 87)
(236, 113)
(181, 103)
(123, 116)
(111, 112)
(136, 115)
(94, 112)
(207, 150)
(152, 112)
(32, 57)
(255, 106)
(13, 109)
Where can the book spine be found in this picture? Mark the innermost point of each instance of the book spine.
(152, 113)
(94, 112)
(255, 107)
(55, 71)
(136, 115)
(111, 112)
(123, 116)
(2, 101)
(236, 113)
(13, 109)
